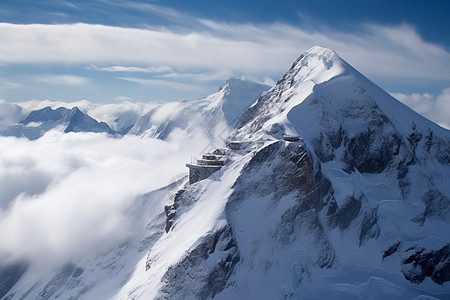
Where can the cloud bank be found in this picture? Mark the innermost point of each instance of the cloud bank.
(261, 49)
(437, 109)
(10, 114)
(65, 195)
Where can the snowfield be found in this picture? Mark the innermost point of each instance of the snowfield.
(357, 208)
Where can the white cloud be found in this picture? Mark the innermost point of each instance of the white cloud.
(162, 83)
(263, 49)
(122, 98)
(116, 115)
(66, 79)
(203, 76)
(160, 10)
(10, 114)
(31, 105)
(66, 195)
(6, 84)
(159, 69)
(120, 115)
(437, 109)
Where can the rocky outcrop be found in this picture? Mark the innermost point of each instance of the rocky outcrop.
(437, 206)
(205, 269)
(421, 262)
(286, 170)
(171, 210)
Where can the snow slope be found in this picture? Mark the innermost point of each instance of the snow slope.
(387, 165)
(357, 209)
(214, 115)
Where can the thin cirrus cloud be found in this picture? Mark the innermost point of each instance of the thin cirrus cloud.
(162, 83)
(202, 76)
(6, 84)
(67, 79)
(396, 52)
(159, 69)
(159, 10)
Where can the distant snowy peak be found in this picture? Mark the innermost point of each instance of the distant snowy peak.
(74, 118)
(238, 95)
(213, 114)
(38, 122)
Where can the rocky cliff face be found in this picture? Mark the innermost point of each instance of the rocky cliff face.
(358, 196)
(357, 208)
(364, 140)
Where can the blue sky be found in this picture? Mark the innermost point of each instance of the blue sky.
(110, 51)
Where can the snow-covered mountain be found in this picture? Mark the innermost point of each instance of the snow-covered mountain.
(215, 115)
(357, 209)
(40, 121)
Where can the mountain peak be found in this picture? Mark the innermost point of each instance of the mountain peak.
(238, 95)
(238, 83)
(318, 65)
(47, 118)
(322, 87)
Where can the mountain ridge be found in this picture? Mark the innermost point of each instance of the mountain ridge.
(38, 122)
(378, 196)
(216, 113)
(355, 206)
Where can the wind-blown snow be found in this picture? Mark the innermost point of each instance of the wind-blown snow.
(358, 208)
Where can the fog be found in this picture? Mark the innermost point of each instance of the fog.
(65, 195)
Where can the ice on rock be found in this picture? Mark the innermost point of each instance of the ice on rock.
(356, 209)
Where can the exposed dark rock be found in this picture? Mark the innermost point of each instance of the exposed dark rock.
(369, 151)
(413, 139)
(403, 180)
(296, 174)
(422, 263)
(294, 169)
(323, 148)
(171, 210)
(437, 205)
(299, 220)
(342, 217)
(428, 141)
(270, 102)
(369, 226)
(208, 266)
(438, 148)
(391, 250)
(77, 272)
(81, 122)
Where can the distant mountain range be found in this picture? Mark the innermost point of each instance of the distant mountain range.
(38, 122)
(217, 112)
(335, 190)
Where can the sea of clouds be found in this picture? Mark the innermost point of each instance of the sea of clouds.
(65, 195)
